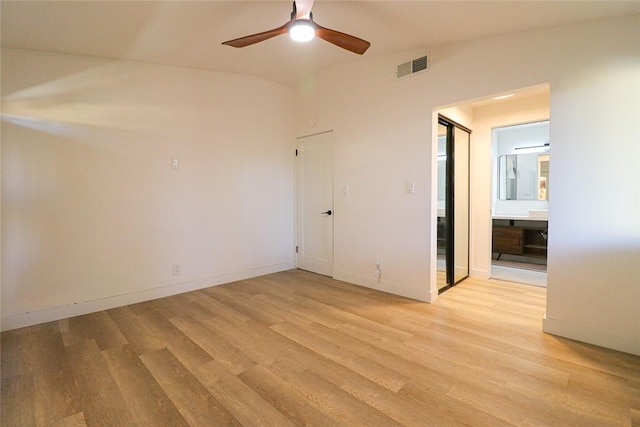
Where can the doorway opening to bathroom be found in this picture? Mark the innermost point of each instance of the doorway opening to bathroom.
(484, 115)
(520, 207)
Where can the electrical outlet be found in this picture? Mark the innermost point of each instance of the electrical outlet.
(177, 269)
(378, 271)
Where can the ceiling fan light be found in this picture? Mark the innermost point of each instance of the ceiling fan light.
(302, 31)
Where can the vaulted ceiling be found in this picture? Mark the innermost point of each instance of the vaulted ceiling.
(189, 34)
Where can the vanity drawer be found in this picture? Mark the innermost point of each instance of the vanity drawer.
(507, 240)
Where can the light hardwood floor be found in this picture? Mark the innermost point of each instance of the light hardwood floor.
(295, 348)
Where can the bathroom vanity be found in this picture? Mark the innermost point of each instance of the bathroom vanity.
(524, 237)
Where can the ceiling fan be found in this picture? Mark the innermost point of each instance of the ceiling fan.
(301, 27)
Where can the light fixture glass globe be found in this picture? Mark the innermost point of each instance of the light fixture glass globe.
(302, 31)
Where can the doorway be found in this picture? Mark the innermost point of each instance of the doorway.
(520, 202)
(315, 203)
(483, 115)
(453, 210)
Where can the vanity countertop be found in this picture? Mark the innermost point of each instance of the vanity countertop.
(534, 215)
(521, 217)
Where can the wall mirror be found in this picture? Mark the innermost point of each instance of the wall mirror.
(524, 176)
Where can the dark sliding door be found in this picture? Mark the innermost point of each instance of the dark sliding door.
(455, 232)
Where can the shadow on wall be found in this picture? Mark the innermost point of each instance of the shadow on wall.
(93, 210)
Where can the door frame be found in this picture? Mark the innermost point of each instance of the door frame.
(298, 195)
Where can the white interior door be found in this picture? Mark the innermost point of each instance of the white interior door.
(315, 204)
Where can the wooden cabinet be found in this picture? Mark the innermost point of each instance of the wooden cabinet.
(519, 237)
(508, 240)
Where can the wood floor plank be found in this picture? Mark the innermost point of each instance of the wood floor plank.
(343, 356)
(298, 357)
(55, 396)
(246, 405)
(441, 409)
(218, 309)
(147, 331)
(257, 285)
(241, 302)
(149, 404)
(18, 401)
(191, 398)
(32, 350)
(387, 402)
(290, 398)
(508, 405)
(634, 401)
(282, 309)
(37, 355)
(258, 342)
(488, 362)
(167, 307)
(95, 326)
(184, 348)
(403, 361)
(336, 401)
(218, 346)
(295, 348)
(100, 398)
(138, 332)
(75, 420)
(427, 368)
(380, 336)
(177, 305)
(381, 308)
(314, 311)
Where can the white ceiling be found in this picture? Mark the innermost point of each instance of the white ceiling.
(189, 34)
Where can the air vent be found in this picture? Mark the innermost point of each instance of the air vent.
(419, 64)
(404, 70)
(412, 67)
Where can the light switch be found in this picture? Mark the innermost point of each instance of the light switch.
(175, 163)
(345, 190)
(409, 187)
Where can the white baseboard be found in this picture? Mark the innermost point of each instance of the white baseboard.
(624, 343)
(479, 274)
(384, 286)
(519, 275)
(50, 314)
(432, 296)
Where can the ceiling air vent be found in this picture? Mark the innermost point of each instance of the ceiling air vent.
(412, 67)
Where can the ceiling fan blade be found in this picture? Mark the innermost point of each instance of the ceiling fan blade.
(345, 41)
(303, 8)
(259, 37)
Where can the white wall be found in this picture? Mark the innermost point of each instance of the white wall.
(383, 138)
(93, 216)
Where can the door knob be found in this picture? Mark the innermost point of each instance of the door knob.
(326, 213)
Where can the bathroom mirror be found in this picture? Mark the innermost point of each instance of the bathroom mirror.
(524, 176)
